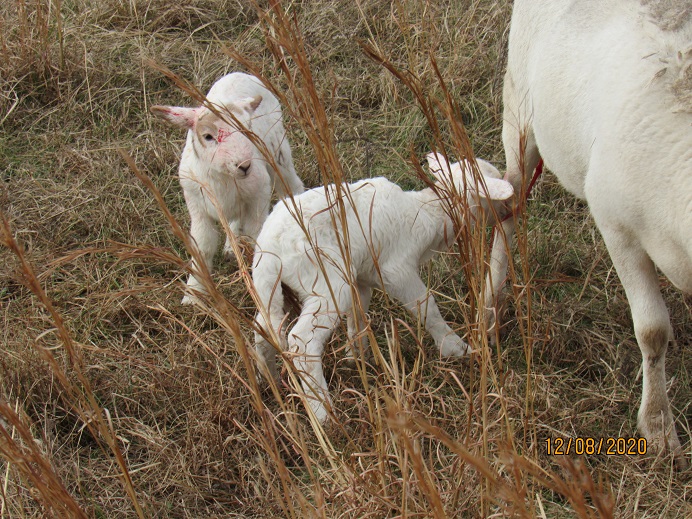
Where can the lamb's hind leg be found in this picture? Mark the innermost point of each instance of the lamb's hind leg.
(653, 331)
(266, 351)
(411, 292)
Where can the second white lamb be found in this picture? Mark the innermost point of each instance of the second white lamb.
(389, 233)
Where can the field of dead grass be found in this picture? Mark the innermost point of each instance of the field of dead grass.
(116, 401)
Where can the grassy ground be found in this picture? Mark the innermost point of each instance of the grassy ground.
(116, 401)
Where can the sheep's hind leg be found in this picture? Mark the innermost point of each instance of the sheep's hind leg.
(412, 293)
(653, 331)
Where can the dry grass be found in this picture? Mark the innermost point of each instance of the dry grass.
(118, 402)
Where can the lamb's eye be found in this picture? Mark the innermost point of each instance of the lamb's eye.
(208, 137)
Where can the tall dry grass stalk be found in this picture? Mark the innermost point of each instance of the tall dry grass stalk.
(24, 456)
(67, 366)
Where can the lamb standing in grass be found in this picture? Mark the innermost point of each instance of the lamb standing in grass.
(222, 172)
(603, 90)
(390, 234)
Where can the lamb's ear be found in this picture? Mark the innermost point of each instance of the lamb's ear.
(249, 104)
(256, 101)
(497, 189)
(437, 163)
(179, 116)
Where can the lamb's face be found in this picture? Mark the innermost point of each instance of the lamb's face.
(222, 146)
(218, 143)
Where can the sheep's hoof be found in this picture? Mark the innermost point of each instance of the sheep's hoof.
(659, 447)
(681, 462)
(266, 371)
(453, 346)
(491, 324)
(246, 249)
(354, 350)
(660, 443)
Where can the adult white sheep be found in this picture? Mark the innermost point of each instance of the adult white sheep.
(390, 233)
(223, 171)
(602, 89)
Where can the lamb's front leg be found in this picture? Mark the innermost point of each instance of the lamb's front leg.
(206, 239)
(306, 342)
(287, 180)
(253, 212)
(237, 231)
(356, 324)
(497, 276)
(412, 293)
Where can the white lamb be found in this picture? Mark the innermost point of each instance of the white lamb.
(391, 232)
(222, 172)
(603, 90)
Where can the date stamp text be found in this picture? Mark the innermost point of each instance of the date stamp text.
(609, 446)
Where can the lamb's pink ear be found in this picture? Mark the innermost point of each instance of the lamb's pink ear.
(497, 189)
(437, 163)
(180, 116)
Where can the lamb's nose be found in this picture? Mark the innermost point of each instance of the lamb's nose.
(244, 167)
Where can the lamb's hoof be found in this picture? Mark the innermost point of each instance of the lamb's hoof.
(320, 411)
(681, 462)
(189, 299)
(493, 323)
(318, 403)
(265, 372)
(353, 353)
(453, 346)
